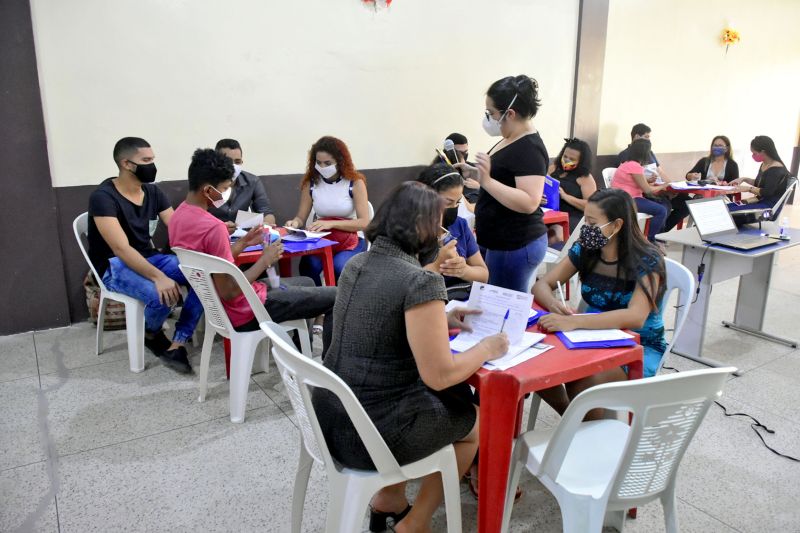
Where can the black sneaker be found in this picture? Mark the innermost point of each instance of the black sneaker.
(177, 359)
(157, 342)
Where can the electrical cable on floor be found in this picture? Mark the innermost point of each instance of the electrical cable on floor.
(755, 425)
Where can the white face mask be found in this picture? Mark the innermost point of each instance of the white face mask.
(237, 169)
(492, 125)
(227, 194)
(326, 172)
(217, 203)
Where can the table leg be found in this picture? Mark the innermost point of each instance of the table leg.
(751, 302)
(327, 267)
(498, 421)
(690, 342)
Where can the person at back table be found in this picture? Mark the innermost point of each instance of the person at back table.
(471, 187)
(623, 280)
(338, 194)
(194, 228)
(771, 181)
(123, 216)
(246, 193)
(718, 166)
(391, 346)
(466, 265)
(572, 170)
(653, 170)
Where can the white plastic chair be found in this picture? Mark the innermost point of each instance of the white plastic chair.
(679, 278)
(608, 173)
(554, 256)
(198, 269)
(602, 468)
(350, 490)
(134, 309)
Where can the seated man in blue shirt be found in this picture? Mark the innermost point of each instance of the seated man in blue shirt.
(123, 216)
(247, 191)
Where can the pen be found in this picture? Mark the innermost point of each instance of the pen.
(561, 294)
(504, 320)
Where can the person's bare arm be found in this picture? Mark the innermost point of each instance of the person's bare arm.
(645, 186)
(112, 232)
(473, 268)
(544, 287)
(439, 368)
(588, 188)
(303, 211)
(166, 215)
(228, 288)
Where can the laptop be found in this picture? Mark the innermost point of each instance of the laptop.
(715, 225)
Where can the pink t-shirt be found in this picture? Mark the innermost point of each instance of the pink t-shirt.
(623, 178)
(196, 229)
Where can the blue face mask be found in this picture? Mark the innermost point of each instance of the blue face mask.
(718, 151)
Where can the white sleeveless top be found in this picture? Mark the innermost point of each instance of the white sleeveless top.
(333, 199)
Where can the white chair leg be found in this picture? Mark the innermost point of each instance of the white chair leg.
(536, 402)
(670, 511)
(576, 517)
(348, 505)
(134, 326)
(516, 467)
(452, 492)
(261, 361)
(243, 351)
(300, 487)
(205, 360)
(305, 342)
(615, 519)
(101, 319)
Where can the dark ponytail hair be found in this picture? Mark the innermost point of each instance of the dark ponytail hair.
(525, 88)
(434, 177)
(635, 252)
(762, 143)
(639, 151)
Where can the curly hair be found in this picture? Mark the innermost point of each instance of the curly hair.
(339, 151)
(209, 167)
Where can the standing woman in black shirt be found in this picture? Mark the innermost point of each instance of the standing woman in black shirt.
(508, 221)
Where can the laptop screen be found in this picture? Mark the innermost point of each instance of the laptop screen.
(711, 216)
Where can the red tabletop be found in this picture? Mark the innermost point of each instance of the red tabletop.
(502, 394)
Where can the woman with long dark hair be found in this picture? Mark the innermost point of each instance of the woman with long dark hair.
(508, 220)
(718, 166)
(770, 182)
(338, 194)
(623, 279)
(390, 345)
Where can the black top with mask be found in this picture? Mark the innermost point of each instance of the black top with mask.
(139, 222)
(498, 227)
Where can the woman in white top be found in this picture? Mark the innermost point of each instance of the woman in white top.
(337, 193)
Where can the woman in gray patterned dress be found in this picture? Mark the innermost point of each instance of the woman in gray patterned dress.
(390, 345)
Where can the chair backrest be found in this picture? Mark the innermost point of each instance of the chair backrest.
(198, 269)
(778, 207)
(608, 173)
(681, 279)
(667, 410)
(80, 226)
(301, 375)
(573, 236)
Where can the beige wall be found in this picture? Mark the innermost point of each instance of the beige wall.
(665, 66)
(277, 75)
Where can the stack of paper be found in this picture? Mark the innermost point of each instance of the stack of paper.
(465, 341)
(508, 361)
(246, 220)
(303, 235)
(690, 186)
(595, 338)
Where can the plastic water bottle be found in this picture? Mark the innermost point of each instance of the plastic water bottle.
(274, 278)
(783, 232)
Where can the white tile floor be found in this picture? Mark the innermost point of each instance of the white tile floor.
(85, 445)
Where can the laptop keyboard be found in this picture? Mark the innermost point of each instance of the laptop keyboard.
(740, 239)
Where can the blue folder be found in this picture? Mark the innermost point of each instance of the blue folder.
(595, 344)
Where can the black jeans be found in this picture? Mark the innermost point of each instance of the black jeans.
(298, 298)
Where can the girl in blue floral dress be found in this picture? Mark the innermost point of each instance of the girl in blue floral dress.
(622, 281)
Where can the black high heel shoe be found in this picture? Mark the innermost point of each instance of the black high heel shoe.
(377, 519)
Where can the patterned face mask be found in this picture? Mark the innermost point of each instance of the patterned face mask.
(591, 238)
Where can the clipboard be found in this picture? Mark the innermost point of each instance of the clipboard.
(595, 344)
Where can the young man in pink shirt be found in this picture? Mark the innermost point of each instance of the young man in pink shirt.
(194, 228)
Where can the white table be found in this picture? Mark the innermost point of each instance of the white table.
(753, 267)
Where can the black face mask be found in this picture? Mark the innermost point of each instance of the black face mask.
(449, 217)
(146, 173)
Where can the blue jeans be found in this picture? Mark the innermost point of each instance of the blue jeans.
(120, 278)
(311, 265)
(514, 269)
(657, 210)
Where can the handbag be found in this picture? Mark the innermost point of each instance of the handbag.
(115, 311)
(345, 240)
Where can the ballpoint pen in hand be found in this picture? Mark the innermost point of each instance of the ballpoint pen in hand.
(504, 320)
(561, 294)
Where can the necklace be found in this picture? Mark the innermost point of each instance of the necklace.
(614, 262)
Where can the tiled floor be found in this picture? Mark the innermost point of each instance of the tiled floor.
(85, 445)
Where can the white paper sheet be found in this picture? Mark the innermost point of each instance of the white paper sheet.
(596, 335)
(247, 220)
(495, 303)
(465, 341)
(294, 235)
(506, 362)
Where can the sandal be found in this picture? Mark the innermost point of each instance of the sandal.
(316, 329)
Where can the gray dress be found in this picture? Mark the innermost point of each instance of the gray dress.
(370, 352)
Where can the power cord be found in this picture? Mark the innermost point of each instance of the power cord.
(755, 425)
(701, 269)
